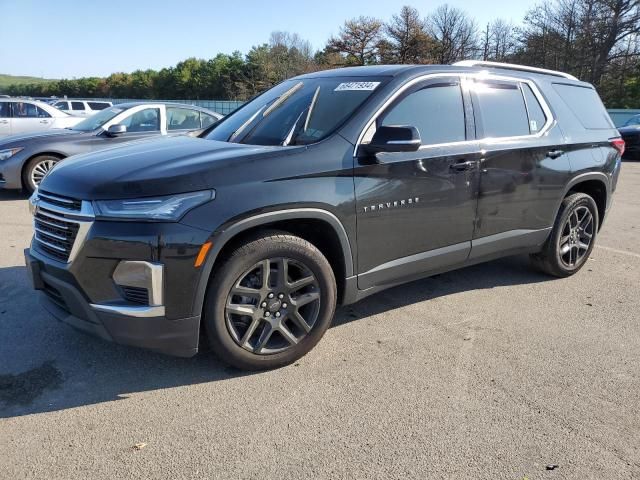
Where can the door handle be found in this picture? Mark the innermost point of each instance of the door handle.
(554, 153)
(463, 166)
(44, 121)
(4, 121)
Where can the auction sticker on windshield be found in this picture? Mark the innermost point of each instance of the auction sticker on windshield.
(356, 86)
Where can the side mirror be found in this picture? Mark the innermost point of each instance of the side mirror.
(115, 130)
(394, 138)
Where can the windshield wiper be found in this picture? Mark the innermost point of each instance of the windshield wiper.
(309, 110)
(240, 129)
(282, 98)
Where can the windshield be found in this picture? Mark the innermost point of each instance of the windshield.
(635, 120)
(97, 120)
(296, 112)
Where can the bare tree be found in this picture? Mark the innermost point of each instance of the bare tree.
(408, 41)
(455, 34)
(358, 40)
(499, 41)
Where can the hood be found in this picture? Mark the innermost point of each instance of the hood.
(153, 167)
(22, 138)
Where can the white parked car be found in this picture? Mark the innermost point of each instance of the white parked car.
(81, 108)
(18, 115)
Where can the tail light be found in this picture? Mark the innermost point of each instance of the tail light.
(618, 144)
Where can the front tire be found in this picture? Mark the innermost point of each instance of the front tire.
(37, 168)
(270, 302)
(572, 238)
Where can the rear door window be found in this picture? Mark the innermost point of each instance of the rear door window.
(4, 109)
(586, 105)
(77, 106)
(437, 112)
(98, 105)
(182, 119)
(501, 109)
(207, 120)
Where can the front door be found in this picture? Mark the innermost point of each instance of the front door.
(140, 123)
(416, 210)
(5, 119)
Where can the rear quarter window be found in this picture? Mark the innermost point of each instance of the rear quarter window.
(98, 105)
(586, 105)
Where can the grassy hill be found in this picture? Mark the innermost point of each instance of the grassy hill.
(6, 80)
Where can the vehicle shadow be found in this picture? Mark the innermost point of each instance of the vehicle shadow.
(47, 366)
(10, 195)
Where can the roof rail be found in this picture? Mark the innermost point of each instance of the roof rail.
(512, 66)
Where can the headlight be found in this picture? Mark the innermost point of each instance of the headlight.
(169, 208)
(10, 152)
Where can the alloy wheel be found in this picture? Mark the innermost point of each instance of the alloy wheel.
(576, 237)
(40, 170)
(273, 306)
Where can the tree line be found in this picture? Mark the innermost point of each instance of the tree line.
(596, 40)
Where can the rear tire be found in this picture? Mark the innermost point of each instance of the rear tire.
(572, 239)
(37, 168)
(256, 320)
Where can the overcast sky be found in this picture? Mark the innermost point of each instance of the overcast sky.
(67, 38)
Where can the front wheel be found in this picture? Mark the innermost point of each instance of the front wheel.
(37, 168)
(572, 238)
(270, 302)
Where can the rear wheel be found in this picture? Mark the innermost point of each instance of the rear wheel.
(270, 302)
(37, 168)
(572, 238)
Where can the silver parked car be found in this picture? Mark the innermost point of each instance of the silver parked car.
(26, 159)
(18, 115)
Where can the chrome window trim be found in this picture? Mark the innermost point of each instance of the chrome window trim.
(466, 79)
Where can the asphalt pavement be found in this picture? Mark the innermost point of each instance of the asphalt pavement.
(494, 371)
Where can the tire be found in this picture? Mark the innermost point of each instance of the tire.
(36, 169)
(568, 247)
(239, 285)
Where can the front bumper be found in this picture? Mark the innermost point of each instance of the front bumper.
(143, 327)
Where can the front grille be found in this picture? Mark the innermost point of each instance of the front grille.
(136, 294)
(55, 235)
(58, 223)
(59, 201)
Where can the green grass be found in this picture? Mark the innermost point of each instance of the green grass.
(6, 80)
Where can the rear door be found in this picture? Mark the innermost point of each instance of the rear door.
(78, 109)
(5, 119)
(524, 168)
(416, 210)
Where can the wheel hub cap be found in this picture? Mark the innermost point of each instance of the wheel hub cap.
(273, 306)
(576, 237)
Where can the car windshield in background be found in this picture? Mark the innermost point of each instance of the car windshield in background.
(97, 120)
(633, 121)
(296, 112)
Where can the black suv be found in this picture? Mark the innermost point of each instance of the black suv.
(323, 190)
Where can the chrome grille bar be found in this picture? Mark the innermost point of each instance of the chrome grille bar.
(61, 225)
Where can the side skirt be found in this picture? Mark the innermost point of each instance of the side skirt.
(434, 262)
